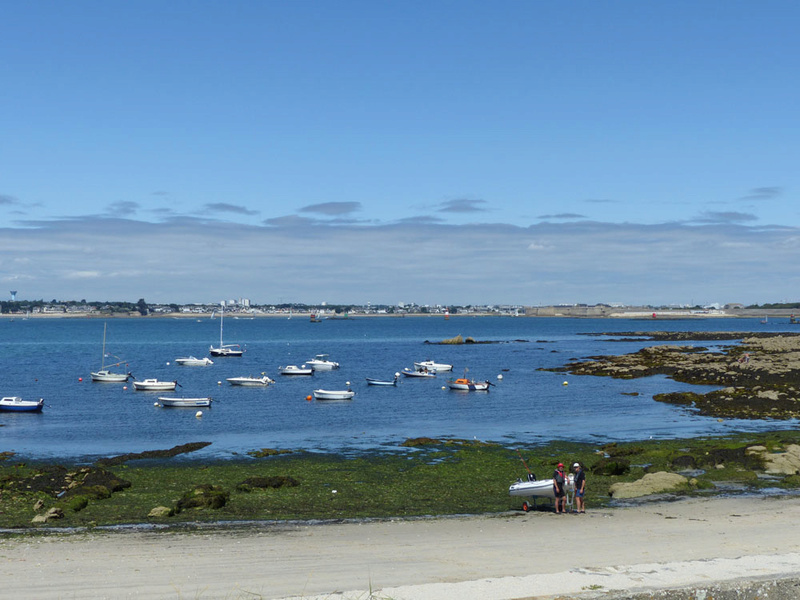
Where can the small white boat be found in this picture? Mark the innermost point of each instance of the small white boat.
(533, 488)
(321, 363)
(371, 381)
(433, 366)
(154, 385)
(462, 383)
(184, 402)
(295, 370)
(104, 375)
(224, 349)
(415, 373)
(191, 361)
(334, 394)
(250, 381)
(17, 404)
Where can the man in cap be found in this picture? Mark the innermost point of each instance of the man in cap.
(580, 488)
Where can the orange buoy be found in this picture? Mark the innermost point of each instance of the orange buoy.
(308, 398)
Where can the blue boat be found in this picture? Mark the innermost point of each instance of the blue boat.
(17, 404)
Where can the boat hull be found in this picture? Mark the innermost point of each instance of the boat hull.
(409, 373)
(295, 370)
(154, 386)
(250, 381)
(194, 362)
(184, 402)
(334, 394)
(379, 382)
(532, 489)
(108, 377)
(225, 352)
(17, 404)
(433, 366)
(469, 386)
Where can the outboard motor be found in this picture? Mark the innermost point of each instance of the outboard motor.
(531, 477)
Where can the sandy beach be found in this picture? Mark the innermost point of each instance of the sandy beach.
(695, 542)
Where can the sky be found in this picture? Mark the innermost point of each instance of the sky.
(437, 152)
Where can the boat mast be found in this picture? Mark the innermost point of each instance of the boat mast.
(221, 316)
(103, 359)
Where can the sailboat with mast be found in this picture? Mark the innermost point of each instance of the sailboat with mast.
(224, 349)
(104, 375)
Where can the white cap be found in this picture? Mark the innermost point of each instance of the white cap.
(575, 465)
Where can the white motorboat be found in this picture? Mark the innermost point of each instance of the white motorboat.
(334, 394)
(383, 382)
(104, 375)
(433, 366)
(154, 385)
(321, 363)
(295, 370)
(250, 381)
(184, 402)
(17, 404)
(415, 373)
(191, 361)
(224, 349)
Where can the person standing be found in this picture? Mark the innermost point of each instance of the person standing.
(559, 485)
(580, 488)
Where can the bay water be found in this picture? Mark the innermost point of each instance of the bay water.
(52, 359)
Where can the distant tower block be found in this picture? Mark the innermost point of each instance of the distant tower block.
(13, 295)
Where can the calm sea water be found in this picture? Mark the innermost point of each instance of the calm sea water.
(52, 359)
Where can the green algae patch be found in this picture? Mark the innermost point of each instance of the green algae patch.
(427, 477)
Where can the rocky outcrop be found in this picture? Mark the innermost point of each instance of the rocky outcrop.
(761, 375)
(779, 463)
(651, 483)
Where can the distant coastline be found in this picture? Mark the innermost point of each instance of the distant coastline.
(588, 312)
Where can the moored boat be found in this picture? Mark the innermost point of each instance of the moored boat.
(321, 363)
(154, 385)
(433, 366)
(184, 402)
(104, 375)
(334, 394)
(224, 349)
(250, 381)
(295, 370)
(418, 373)
(384, 382)
(17, 404)
(191, 361)
(462, 383)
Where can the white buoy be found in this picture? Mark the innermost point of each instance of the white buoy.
(155, 403)
(500, 377)
(219, 383)
(565, 383)
(444, 387)
(167, 363)
(199, 414)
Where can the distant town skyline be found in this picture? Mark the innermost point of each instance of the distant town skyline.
(524, 153)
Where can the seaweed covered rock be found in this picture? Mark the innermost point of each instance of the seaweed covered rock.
(274, 482)
(651, 483)
(203, 496)
(611, 466)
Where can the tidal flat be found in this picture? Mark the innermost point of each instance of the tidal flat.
(425, 477)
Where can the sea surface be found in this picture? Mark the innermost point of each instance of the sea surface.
(82, 420)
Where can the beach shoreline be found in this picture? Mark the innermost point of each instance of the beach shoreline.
(648, 546)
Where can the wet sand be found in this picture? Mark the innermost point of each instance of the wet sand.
(512, 555)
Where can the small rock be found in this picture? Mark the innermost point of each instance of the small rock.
(161, 511)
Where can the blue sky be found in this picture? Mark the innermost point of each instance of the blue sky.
(445, 152)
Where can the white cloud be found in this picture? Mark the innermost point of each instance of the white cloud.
(421, 261)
